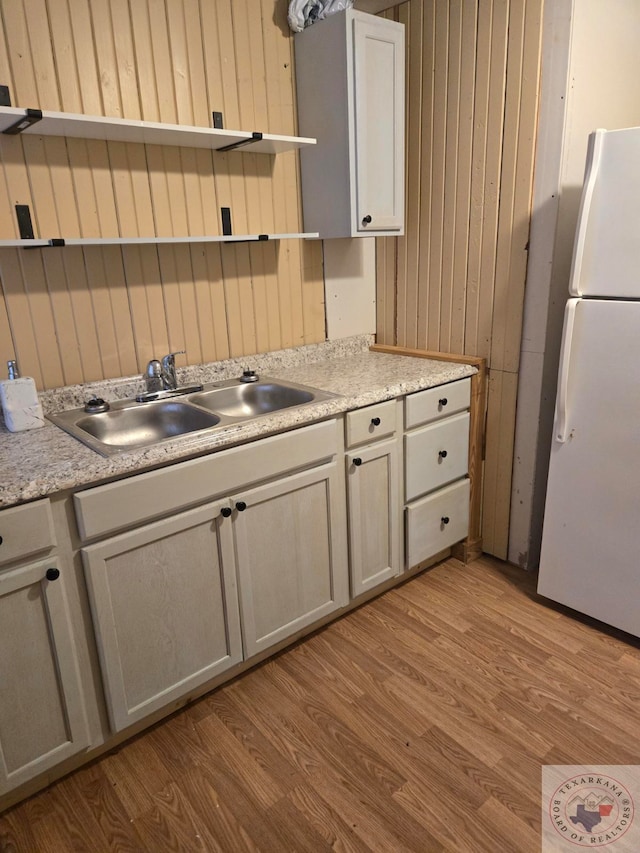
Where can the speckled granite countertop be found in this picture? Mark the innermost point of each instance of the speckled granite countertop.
(43, 461)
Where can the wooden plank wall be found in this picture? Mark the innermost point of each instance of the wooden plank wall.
(72, 315)
(455, 281)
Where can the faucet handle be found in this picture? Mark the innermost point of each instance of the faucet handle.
(153, 376)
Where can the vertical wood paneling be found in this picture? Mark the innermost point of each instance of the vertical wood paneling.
(82, 308)
(426, 172)
(500, 429)
(42, 318)
(462, 263)
(468, 38)
(6, 345)
(414, 167)
(19, 313)
(492, 179)
(63, 317)
(80, 315)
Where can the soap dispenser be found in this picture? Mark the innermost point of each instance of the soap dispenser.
(19, 397)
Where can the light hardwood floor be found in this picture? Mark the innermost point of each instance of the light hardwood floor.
(417, 723)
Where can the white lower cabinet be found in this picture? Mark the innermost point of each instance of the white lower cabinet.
(436, 462)
(178, 601)
(436, 455)
(437, 522)
(374, 515)
(194, 567)
(291, 551)
(374, 494)
(42, 710)
(165, 610)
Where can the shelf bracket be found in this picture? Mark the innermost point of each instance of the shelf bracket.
(30, 117)
(225, 214)
(256, 136)
(25, 225)
(5, 96)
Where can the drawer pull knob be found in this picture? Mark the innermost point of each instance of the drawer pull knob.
(357, 461)
(241, 506)
(366, 220)
(52, 574)
(225, 512)
(445, 519)
(375, 421)
(442, 454)
(443, 401)
(0, 540)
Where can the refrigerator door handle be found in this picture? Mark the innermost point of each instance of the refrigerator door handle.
(594, 156)
(561, 428)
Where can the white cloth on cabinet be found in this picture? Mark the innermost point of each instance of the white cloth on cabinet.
(303, 13)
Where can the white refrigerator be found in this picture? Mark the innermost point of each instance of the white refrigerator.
(590, 558)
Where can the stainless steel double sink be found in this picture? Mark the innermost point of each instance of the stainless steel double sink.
(130, 425)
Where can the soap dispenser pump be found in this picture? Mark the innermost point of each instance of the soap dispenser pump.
(19, 398)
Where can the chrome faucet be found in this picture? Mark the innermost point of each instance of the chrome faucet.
(161, 380)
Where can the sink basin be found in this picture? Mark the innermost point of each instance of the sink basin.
(130, 424)
(127, 428)
(252, 399)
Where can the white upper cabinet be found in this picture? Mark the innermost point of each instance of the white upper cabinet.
(350, 86)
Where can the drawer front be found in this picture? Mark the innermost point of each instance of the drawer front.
(434, 403)
(26, 530)
(371, 423)
(125, 503)
(436, 455)
(437, 522)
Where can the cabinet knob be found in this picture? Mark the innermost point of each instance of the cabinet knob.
(442, 454)
(0, 540)
(445, 519)
(366, 219)
(443, 401)
(375, 421)
(357, 461)
(52, 574)
(225, 512)
(241, 506)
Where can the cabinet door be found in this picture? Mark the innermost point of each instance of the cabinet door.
(42, 713)
(379, 125)
(165, 610)
(292, 556)
(375, 514)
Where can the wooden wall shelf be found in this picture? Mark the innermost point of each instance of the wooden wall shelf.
(40, 122)
(138, 241)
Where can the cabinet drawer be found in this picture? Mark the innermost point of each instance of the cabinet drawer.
(437, 522)
(25, 530)
(371, 423)
(434, 403)
(125, 503)
(436, 455)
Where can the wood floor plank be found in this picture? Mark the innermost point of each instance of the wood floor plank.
(340, 836)
(418, 722)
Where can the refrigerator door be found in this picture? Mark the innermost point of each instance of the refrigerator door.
(590, 556)
(606, 254)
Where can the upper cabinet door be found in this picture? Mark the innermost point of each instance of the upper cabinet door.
(379, 124)
(350, 88)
